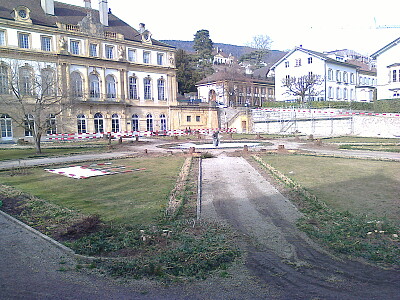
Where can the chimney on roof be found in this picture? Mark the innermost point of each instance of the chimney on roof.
(88, 4)
(103, 11)
(48, 6)
(142, 27)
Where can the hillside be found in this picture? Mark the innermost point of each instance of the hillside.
(236, 51)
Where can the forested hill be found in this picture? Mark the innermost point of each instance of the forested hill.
(236, 51)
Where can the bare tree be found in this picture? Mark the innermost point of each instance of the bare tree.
(32, 97)
(261, 42)
(304, 87)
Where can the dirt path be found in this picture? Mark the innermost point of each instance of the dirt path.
(278, 254)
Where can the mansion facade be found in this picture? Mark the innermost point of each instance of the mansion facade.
(110, 76)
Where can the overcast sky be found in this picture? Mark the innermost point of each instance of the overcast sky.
(316, 24)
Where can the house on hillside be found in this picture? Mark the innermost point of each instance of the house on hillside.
(340, 76)
(117, 78)
(388, 70)
(234, 89)
(222, 58)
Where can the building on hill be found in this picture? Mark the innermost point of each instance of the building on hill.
(113, 77)
(234, 89)
(222, 58)
(340, 77)
(388, 70)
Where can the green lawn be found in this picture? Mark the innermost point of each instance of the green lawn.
(363, 187)
(355, 139)
(25, 153)
(131, 198)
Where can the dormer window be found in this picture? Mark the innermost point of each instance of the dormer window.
(22, 14)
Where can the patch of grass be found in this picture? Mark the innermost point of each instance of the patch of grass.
(136, 197)
(372, 147)
(339, 200)
(24, 153)
(356, 139)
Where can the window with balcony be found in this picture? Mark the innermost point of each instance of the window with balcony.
(76, 85)
(25, 81)
(110, 87)
(133, 91)
(4, 89)
(94, 86)
(147, 88)
(161, 89)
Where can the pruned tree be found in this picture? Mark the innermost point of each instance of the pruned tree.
(303, 87)
(261, 42)
(32, 97)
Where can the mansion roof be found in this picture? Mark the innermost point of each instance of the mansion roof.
(69, 14)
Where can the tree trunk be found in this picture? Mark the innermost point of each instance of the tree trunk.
(38, 145)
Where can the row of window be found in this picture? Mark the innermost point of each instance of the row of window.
(82, 122)
(76, 47)
(341, 93)
(395, 75)
(298, 62)
(29, 83)
(77, 87)
(98, 122)
(341, 76)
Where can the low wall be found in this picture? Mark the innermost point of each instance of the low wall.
(373, 125)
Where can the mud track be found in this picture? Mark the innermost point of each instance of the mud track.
(278, 254)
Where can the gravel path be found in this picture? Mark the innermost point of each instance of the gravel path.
(278, 254)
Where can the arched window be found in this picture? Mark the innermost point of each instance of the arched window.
(149, 122)
(98, 123)
(351, 77)
(5, 126)
(345, 93)
(110, 87)
(94, 86)
(4, 80)
(76, 85)
(163, 122)
(135, 122)
(25, 81)
(48, 82)
(81, 122)
(29, 125)
(161, 89)
(338, 76)
(147, 88)
(51, 124)
(115, 123)
(133, 94)
(345, 77)
(212, 96)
